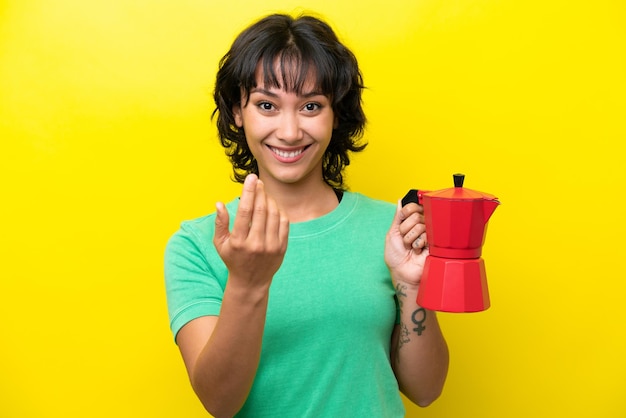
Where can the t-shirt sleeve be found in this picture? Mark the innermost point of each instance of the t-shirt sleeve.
(192, 277)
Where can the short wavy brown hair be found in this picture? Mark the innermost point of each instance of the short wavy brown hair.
(314, 48)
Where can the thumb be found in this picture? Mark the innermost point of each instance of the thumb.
(394, 229)
(221, 224)
(398, 217)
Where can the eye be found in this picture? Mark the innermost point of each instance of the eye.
(312, 107)
(267, 106)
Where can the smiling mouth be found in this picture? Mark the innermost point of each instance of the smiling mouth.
(288, 154)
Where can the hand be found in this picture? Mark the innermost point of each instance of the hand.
(255, 248)
(406, 246)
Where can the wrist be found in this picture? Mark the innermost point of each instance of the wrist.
(406, 294)
(406, 286)
(245, 294)
(409, 276)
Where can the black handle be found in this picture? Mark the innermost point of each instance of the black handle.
(411, 197)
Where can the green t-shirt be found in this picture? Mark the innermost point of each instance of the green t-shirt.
(330, 316)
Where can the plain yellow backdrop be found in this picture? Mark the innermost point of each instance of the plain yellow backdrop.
(106, 144)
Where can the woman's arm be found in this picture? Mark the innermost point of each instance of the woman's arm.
(419, 353)
(222, 353)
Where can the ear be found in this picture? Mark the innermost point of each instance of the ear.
(336, 123)
(237, 115)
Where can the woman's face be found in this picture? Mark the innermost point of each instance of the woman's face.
(286, 132)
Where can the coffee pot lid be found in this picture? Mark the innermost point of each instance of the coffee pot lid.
(458, 192)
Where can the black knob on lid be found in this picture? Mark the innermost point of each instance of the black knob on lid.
(458, 179)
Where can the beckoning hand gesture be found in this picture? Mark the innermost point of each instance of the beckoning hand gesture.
(254, 250)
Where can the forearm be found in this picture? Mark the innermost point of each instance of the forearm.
(420, 353)
(226, 367)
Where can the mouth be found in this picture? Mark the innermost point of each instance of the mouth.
(288, 155)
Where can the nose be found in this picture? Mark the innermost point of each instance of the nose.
(289, 129)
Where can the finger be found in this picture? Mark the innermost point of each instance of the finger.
(398, 217)
(272, 225)
(277, 228)
(421, 242)
(221, 224)
(283, 231)
(410, 214)
(410, 223)
(410, 208)
(243, 218)
(413, 235)
(259, 213)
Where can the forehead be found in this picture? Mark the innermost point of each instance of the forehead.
(290, 75)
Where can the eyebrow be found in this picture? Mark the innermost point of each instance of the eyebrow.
(272, 94)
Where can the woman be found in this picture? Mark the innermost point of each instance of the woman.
(298, 298)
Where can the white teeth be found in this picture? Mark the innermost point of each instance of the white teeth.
(287, 154)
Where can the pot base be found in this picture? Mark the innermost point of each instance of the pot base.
(454, 285)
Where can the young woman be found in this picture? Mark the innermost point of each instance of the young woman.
(298, 299)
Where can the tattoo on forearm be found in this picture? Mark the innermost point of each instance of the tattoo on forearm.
(403, 338)
(403, 334)
(418, 318)
(400, 295)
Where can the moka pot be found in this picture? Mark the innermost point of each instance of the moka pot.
(454, 277)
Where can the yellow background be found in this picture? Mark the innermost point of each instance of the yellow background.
(107, 144)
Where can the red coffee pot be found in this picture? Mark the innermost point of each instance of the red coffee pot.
(454, 277)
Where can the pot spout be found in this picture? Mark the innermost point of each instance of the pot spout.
(489, 206)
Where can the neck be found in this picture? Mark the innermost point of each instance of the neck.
(303, 202)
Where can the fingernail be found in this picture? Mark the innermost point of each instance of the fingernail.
(250, 178)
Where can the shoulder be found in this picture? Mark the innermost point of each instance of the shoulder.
(371, 212)
(197, 232)
(366, 203)
(192, 233)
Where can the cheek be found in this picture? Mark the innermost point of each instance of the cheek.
(322, 126)
(255, 127)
